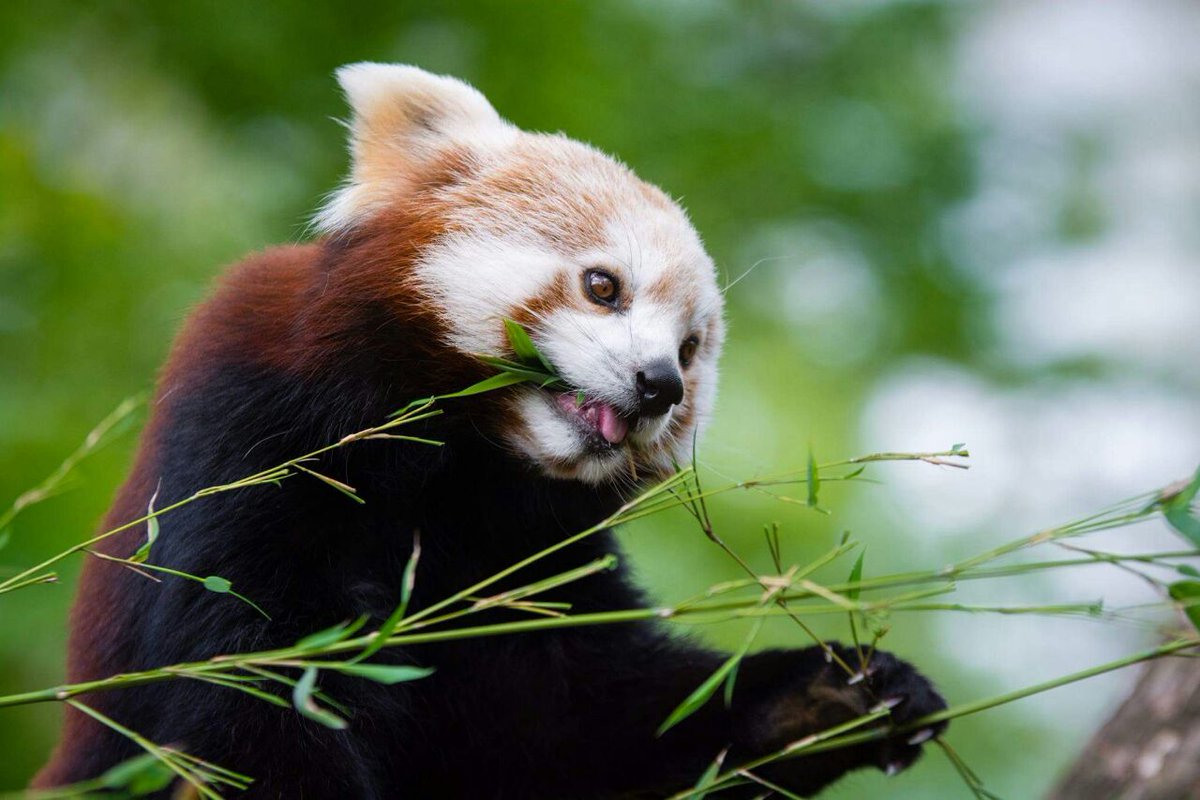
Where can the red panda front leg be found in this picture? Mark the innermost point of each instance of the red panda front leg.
(787, 695)
(780, 697)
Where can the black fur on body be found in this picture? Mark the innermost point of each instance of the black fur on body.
(568, 713)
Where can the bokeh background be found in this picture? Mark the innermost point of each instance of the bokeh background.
(952, 222)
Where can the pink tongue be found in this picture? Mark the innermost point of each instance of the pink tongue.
(600, 416)
(612, 427)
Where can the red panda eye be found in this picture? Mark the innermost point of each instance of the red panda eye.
(601, 287)
(687, 350)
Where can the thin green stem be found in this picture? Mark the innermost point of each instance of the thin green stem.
(270, 475)
(150, 747)
(91, 443)
(821, 743)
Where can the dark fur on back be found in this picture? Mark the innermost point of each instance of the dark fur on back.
(299, 347)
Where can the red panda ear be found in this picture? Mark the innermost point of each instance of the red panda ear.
(402, 119)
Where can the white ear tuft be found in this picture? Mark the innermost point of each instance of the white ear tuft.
(398, 96)
(403, 117)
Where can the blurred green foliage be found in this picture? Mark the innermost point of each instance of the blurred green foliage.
(143, 145)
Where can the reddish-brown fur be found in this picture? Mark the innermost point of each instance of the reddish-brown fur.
(252, 303)
(294, 309)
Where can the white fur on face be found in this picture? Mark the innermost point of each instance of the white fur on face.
(669, 293)
(527, 215)
(472, 277)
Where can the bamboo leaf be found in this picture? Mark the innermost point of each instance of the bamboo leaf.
(139, 776)
(1188, 594)
(304, 703)
(709, 777)
(856, 578)
(407, 582)
(702, 693)
(730, 680)
(498, 381)
(531, 372)
(502, 363)
(1177, 508)
(215, 583)
(532, 367)
(699, 696)
(520, 341)
(384, 673)
(332, 635)
(143, 552)
(344, 488)
(509, 376)
(814, 480)
(523, 345)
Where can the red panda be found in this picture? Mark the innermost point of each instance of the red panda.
(451, 221)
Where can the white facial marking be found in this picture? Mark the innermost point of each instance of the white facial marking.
(479, 279)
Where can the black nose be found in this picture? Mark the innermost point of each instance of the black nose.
(659, 386)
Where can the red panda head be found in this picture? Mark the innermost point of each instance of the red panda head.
(605, 271)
